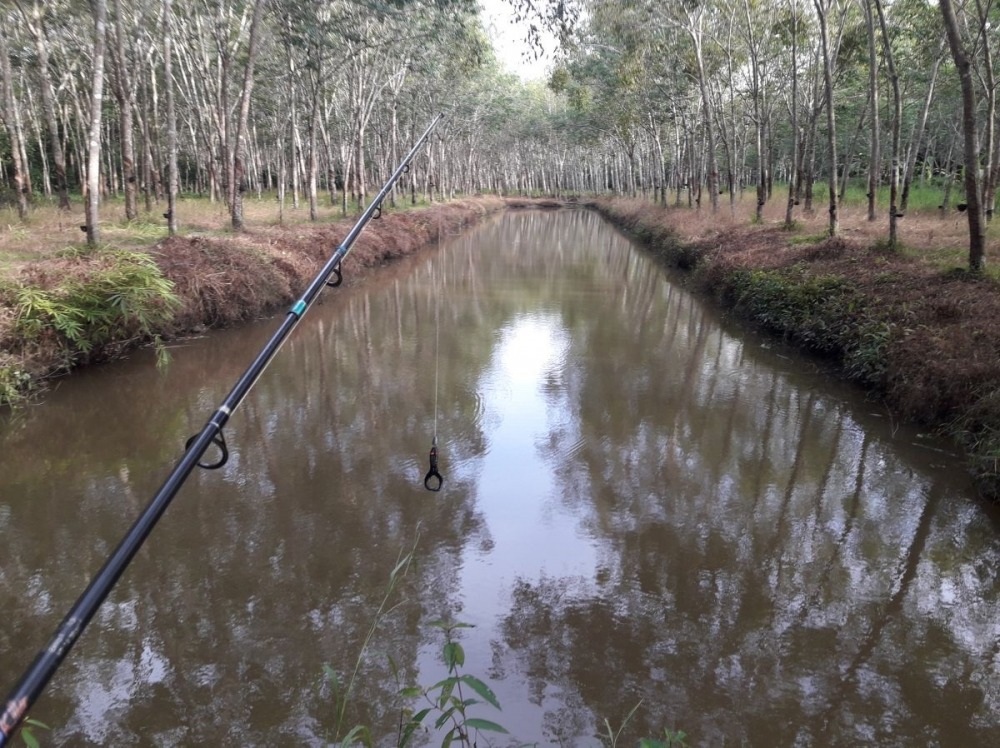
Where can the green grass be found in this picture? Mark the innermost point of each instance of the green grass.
(922, 198)
(807, 238)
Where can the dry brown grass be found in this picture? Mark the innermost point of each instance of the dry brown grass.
(940, 239)
(49, 231)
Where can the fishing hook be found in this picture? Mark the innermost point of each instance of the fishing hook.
(433, 473)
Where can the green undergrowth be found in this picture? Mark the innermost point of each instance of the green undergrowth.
(798, 239)
(822, 313)
(115, 297)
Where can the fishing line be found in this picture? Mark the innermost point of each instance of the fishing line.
(433, 480)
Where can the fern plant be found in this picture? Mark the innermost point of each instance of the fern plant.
(126, 299)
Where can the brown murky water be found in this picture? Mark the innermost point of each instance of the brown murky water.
(642, 506)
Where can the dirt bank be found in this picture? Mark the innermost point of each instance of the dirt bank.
(922, 338)
(56, 314)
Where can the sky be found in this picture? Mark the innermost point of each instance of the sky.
(510, 41)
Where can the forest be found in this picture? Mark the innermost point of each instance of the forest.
(126, 105)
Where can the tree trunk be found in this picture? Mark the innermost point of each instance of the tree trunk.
(236, 170)
(124, 94)
(974, 209)
(100, 11)
(312, 187)
(793, 173)
(8, 111)
(897, 116)
(712, 168)
(34, 20)
(168, 75)
(822, 9)
(875, 157)
(990, 145)
(911, 161)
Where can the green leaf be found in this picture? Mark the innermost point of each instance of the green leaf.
(446, 691)
(411, 727)
(38, 723)
(417, 718)
(480, 688)
(445, 716)
(411, 692)
(454, 655)
(358, 734)
(484, 724)
(448, 683)
(29, 740)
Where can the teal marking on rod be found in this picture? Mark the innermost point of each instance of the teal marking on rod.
(300, 306)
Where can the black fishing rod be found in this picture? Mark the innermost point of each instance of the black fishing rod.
(38, 674)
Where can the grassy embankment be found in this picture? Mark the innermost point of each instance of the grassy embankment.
(912, 326)
(63, 305)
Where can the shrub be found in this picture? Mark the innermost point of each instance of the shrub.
(124, 299)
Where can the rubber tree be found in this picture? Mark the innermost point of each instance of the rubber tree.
(122, 85)
(794, 172)
(754, 46)
(693, 22)
(99, 8)
(235, 164)
(874, 145)
(168, 77)
(973, 203)
(10, 115)
(918, 138)
(991, 143)
(823, 8)
(34, 19)
(897, 116)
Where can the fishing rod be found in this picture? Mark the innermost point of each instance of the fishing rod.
(36, 677)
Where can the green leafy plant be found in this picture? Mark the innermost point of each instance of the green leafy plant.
(670, 739)
(448, 701)
(28, 732)
(126, 298)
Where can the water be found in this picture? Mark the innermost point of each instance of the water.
(642, 505)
